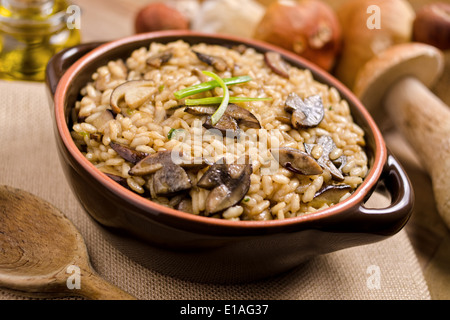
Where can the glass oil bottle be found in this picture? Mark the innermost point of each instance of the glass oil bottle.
(31, 32)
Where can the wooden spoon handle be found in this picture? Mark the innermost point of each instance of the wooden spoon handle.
(424, 120)
(92, 286)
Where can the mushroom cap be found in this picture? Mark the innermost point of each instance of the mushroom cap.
(421, 61)
(432, 25)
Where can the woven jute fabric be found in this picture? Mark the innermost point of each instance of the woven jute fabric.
(29, 161)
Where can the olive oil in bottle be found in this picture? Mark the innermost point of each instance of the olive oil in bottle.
(31, 32)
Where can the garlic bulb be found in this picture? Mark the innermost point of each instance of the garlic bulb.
(189, 8)
(234, 17)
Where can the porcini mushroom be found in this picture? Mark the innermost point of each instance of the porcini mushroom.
(233, 117)
(432, 25)
(159, 16)
(398, 79)
(296, 161)
(226, 125)
(127, 153)
(153, 162)
(276, 63)
(305, 113)
(229, 183)
(217, 62)
(368, 28)
(309, 28)
(330, 194)
(328, 145)
(133, 92)
(170, 180)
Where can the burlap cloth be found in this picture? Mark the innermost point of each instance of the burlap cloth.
(29, 161)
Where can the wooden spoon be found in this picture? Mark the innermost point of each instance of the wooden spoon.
(43, 254)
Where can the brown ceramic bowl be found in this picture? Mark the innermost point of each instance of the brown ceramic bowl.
(213, 250)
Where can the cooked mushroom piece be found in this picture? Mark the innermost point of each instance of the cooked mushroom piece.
(221, 173)
(305, 113)
(296, 161)
(185, 205)
(216, 175)
(170, 180)
(330, 194)
(227, 125)
(324, 161)
(218, 63)
(133, 92)
(127, 153)
(201, 110)
(340, 162)
(229, 183)
(243, 116)
(276, 63)
(158, 59)
(152, 163)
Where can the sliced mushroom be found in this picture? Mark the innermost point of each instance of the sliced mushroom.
(217, 62)
(324, 161)
(340, 162)
(221, 173)
(229, 183)
(176, 199)
(242, 116)
(127, 153)
(330, 194)
(185, 205)
(170, 180)
(296, 161)
(276, 63)
(152, 163)
(134, 93)
(201, 110)
(226, 125)
(305, 113)
(199, 74)
(158, 59)
(193, 163)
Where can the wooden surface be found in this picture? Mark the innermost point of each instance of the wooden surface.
(112, 19)
(42, 251)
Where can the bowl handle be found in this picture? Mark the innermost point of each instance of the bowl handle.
(61, 61)
(389, 220)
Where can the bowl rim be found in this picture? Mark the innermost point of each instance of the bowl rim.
(355, 200)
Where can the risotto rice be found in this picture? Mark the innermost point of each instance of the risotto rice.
(151, 120)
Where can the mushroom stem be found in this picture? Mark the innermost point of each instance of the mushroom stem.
(425, 121)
